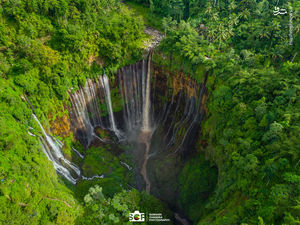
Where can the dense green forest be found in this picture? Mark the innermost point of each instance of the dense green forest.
(47, 47)
(251, 132)
(252, 129)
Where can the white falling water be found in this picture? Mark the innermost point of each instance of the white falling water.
(126, 165)
(59, 168)
(86, 113)
(141, 119)
(105, 84)
(132, 80)
(198, 118)
(90, 93)
(144, 77)
(146, 109)
(52, 150)
(78, 153)
(127, 104)
(145, 135)
(93, 177)
(81, 114)
(31, 134)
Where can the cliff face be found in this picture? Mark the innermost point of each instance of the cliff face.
(178, 81)
(61, 126)
(178, 105)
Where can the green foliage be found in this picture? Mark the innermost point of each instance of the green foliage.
(115, 210)
(36, 198)
(255, 34)
(255, 135)
(197, 181)
(252, 126)
(150, 19)
(99, 161)
(47, 47)
(110, 186)
(187, 50)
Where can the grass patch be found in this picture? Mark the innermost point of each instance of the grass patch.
(100, 161)
(117, 101)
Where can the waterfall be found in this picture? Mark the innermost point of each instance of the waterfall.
(93, 177)
(85, 111)
(189, 111)
(172, 123)
(138, 113)
(144, 167)
(78, 153)
(126, 165)
(197, 118)
(132, 88)
(105, 84)
(53, 150)
(84, 128)
(146, 100)
(145, 135)
(174, 118)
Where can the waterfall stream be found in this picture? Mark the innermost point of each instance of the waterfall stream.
(146, 100)
(145, 136)
(52, 149)
(105, 84)
(86, 113)
(168, 126)
(172, 121)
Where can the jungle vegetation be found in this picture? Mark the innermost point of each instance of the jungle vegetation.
(252, 128)
(251, 132)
